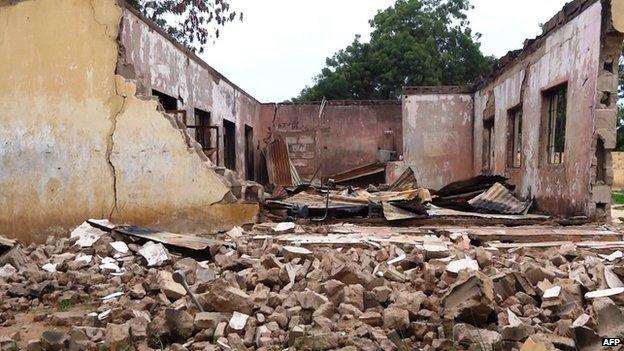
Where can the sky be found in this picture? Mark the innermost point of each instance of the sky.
(282, 44)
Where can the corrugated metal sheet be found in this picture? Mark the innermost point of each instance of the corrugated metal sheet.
(499, 199)
(406, 181)
(359, 172)
(279, 167)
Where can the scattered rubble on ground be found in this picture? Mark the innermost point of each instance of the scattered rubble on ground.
(251, 290)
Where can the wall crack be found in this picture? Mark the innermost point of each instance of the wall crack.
(110, 143)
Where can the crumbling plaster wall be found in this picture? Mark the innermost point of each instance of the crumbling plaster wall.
(438, 137)
(347, 135)
(75, 141)
(570, 53)
(157, 62)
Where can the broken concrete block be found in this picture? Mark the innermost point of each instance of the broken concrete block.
(463, 264)
(470, 300)
(238, 321)
(374, 319)
(309, 300)
(169, 287)
(395, 319)
(52, 340)
(469, 335)
(223, 298)
(354, 295)
(117, 335)
(609, 317)
(180, 322)
(208, 320)
(155, 254)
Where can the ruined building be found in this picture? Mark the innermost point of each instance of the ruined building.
(104, 115)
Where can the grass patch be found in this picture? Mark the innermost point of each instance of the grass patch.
(65, 306)
(617, 197)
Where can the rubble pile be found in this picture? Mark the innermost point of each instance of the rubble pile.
(437, 293)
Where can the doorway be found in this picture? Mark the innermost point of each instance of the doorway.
(229, 145)
(249, 153)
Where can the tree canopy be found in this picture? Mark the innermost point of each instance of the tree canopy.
(191, 22)
(414, 42)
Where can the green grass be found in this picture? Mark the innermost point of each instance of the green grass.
(617, 197)
(65, 306)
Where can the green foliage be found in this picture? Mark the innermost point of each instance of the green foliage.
(191, 22)
(415, 42)
(65, 306)
(617, 197)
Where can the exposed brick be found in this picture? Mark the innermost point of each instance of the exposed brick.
(605, 118)
(607, 82)
(608, 136)
(601, 194)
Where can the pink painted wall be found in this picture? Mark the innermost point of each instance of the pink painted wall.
(347, 135)
(568, 54)
(437, 140)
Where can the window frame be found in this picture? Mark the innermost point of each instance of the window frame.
(554, 123)
(515, 156)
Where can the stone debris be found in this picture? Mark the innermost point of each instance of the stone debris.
(86, 235)
(446, 294)
(154, 254)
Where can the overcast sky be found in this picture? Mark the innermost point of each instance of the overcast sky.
(282, 44)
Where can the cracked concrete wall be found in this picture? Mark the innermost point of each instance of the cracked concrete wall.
(75, 141)
(161, 64)
(437, 137)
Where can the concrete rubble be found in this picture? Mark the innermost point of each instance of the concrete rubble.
(249, 294)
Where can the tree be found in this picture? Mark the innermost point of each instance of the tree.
(191, 22)
(415, 42)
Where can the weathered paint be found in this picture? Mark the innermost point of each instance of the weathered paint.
(159, 63)
(437, 139)
(347, 135)
(617, 12)
(75, 141)
(618, 169)
(568, 54)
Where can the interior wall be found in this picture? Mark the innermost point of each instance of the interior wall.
(159, 63)
(437, 140)
(77, 143)
(347, 135)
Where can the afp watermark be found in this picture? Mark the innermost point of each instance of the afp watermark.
(611, 342)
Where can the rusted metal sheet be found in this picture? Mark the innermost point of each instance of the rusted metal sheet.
(359, 172)
(406, 181)
(187, 241)
(279, 166)
(499, 199)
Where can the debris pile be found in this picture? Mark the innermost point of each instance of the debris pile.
(256, 293)
(479, 197)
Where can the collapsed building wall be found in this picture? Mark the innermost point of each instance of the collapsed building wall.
(347, 134)
(160, 64)
(76, 141)
(545, 117)
(555, 100)
(437, 125)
